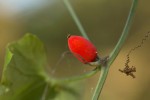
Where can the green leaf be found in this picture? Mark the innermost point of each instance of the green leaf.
(7, 60)
(25, 77)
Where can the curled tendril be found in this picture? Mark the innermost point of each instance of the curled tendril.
(127, 69)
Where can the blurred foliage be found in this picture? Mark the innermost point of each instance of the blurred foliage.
(103, 20)
(24, 75)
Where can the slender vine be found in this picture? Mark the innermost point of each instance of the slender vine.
(75, 18)
(112, 56)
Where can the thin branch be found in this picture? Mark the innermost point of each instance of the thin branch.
(75, 18)
(79, 77)
(113, 55)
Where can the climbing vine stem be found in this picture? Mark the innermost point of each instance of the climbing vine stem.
(113, 55)
(75, 18)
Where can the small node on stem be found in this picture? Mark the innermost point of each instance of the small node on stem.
(100, 61)
(104, 61)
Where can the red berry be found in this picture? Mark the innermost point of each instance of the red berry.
(82, 49)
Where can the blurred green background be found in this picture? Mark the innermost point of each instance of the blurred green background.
(103, 20)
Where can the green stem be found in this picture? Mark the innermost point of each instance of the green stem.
(75, 18)
(113, 55)
(72, 79)
(80, 77)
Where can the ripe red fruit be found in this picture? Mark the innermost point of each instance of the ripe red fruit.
(82, 49)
